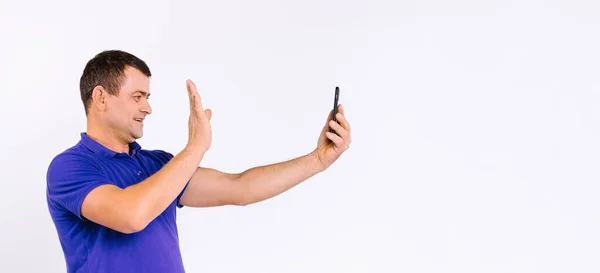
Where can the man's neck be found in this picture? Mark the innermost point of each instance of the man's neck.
(106, 137)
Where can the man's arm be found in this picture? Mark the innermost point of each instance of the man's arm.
(131, 209)
(209, 187)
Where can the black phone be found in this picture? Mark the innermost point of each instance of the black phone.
(336, 99)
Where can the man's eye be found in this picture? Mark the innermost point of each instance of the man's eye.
(138, 97)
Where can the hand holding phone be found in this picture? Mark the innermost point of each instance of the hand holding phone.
(335, 107)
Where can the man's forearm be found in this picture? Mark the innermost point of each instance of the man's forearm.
(153, 195)
(267, 181)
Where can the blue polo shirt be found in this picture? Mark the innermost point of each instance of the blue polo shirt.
(90, 247)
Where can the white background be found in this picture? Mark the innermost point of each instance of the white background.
(475, 127)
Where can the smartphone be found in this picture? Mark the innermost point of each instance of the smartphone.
(336, 99)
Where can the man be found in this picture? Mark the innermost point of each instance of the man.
(114, 203)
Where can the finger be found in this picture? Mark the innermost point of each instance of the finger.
(208, 113)
(190, 95)
(326, 127)
(343, 121)
(338, 129)
(330, 116)
(337, 140)
(195, 96)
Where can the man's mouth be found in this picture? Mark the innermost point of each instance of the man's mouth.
(140, 120)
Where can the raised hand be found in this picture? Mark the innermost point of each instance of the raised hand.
(331, 146)
(200, 132)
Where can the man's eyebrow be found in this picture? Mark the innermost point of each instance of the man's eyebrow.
(144, 93)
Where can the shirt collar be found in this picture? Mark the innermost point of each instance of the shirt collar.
(98, 148)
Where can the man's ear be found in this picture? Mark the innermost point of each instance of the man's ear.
(99, 96)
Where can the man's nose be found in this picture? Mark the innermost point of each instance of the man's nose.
(146, 108)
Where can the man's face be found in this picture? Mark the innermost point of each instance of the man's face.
(125, 112)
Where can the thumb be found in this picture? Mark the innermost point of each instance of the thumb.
(208, 113)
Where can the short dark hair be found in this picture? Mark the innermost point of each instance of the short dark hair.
(107, 70)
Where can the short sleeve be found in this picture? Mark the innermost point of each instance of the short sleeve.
(70, 178)
(179, 205)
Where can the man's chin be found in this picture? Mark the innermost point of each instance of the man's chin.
(136, 135)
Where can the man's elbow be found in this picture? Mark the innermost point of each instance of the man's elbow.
(127, 225)
(134, 223)
(133, 227)
(109, 207)
(131, 220)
